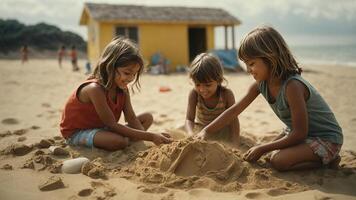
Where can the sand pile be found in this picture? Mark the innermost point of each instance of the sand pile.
(187, 164)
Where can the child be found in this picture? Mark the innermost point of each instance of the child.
(209, 98)
(87, 67)
(61, 55)
(74, 59)
(24, 54)
(315, 137)
(91, 114)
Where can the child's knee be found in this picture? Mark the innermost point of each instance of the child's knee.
(117, 144)
(146, 119)
(149, 118)
(279, 162)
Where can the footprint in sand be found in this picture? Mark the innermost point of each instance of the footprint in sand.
(46, 105)
(152, 189)
(277, 191)
(51, 111)
(5, 133)
(10, 121)
(264, 123)
(21, 139)
(11, 83)
(85, 192)
(163, 115)
(109, 191)
(158, 122)
(34, 127)
(253, 195)
(20, 132)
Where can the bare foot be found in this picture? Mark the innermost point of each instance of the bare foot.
(335, 163)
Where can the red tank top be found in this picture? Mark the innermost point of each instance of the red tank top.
(78, 116)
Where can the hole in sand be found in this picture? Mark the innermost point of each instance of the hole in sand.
(10, 121)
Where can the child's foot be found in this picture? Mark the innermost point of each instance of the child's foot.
(335, 163)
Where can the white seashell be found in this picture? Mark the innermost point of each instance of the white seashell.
(52, 148)
(73, 166)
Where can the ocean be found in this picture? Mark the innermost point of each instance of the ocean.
(326, 54)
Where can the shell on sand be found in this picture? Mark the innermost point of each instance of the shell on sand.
(74, 166)
(59, 151)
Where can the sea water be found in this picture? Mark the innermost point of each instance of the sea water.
(344, 55)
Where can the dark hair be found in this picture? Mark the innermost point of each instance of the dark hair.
(266, 43)
(120, 52)
(205, 68)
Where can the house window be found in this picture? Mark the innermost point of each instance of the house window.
(130, 32)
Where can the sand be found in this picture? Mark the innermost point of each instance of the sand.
(31, 102)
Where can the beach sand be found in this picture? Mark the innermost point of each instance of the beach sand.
(33, 96)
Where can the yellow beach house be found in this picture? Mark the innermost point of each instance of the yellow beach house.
(178, 33)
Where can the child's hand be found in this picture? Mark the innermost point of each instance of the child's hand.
(253, 154)
(201, 135)
(162, 138)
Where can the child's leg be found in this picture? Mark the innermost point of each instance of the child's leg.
(146, 120)
(109, 141)
(297, 157)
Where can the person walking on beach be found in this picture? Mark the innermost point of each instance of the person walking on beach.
(74, 58)
(208, 99)
(24, 54)
(61, 55)
(313, 137)
(91, 114)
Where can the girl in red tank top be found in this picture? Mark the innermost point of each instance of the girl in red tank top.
(91, 114)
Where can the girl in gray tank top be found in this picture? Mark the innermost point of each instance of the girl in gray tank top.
(314, 137)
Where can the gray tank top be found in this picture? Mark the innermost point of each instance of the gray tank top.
(322, 122)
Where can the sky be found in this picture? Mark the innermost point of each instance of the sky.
(301, 22)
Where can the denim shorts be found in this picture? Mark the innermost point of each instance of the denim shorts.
(83, 137)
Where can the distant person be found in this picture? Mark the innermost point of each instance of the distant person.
(88, 67)
(313, 137)
(61, 55)
(91, 115)
(24, 54)
(208, 99)
(74, 58)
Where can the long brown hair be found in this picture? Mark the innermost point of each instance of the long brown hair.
(266, 43)
(120, 52)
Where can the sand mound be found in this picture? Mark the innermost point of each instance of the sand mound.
(194, 158)
(188, 164)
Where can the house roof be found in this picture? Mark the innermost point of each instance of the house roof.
(115, 12)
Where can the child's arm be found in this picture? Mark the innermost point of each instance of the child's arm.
(234, 125)
(296, 94)
(96, 96)
(231, 112)
(189, 119)
(130, 115)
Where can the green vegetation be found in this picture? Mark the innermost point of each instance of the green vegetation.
(14, 34)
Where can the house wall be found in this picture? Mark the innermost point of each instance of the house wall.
(93, 40)
(171, 40)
